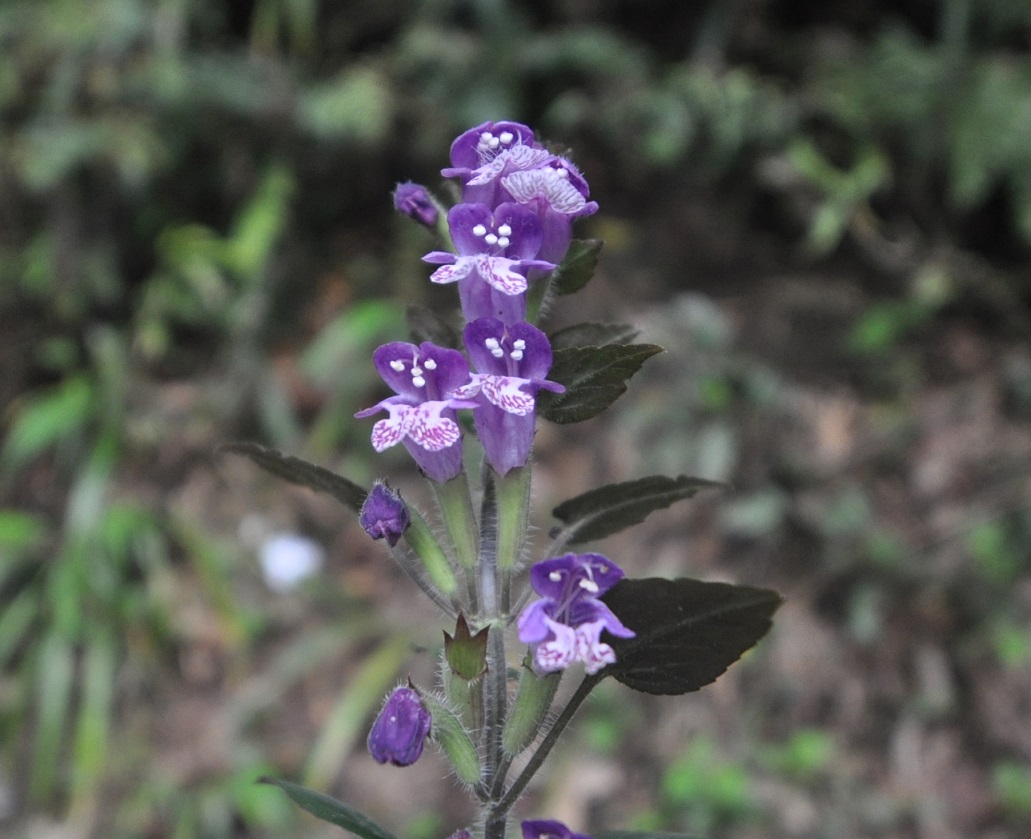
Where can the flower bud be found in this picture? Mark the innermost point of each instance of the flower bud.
(401, 728)
(414, 201)
(384, 515)
(549, 829)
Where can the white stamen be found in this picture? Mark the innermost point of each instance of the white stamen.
(519, 344)
(505, 230)
(490, 239)
(517, 355)
(506, 137)
(397, 365)
(503, 242)
(430, 364)
(486, 136)
(497, 352)
(555, 576)
(589, 585)
(491, 343)
(479, 230)
(563, 173)
(418, 381)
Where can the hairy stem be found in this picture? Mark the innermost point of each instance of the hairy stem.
(500, 810)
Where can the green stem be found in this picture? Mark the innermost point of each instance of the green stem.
(456, 509)
(513, 491)
(510, 797)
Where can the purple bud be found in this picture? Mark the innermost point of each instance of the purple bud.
(549, 829)
(384, 515)
(401, 729)
(414, 201)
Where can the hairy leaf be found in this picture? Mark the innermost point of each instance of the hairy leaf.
(688, 631)
(594, 377)
(609, 509)
(593, 334)
(300, 472)
(330, 810)
(577, 268)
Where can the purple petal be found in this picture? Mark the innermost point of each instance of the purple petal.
(533, 622)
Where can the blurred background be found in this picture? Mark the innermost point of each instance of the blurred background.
(822, 210)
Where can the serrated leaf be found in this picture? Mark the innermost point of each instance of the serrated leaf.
(640, 834)
(593, 335)
(594, 377)
(330, 810)
(688, 631)
(609, 509)
(425, 325)
(577, 268)
(300, 472)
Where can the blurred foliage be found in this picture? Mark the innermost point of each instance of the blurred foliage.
(199, 192)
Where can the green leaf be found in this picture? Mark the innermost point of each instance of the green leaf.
(640, 834)
(688, 631)
(592, 334)
(612, 508)
(594, 377)
(302, 473)
(577, 268)
(426, 325)
(47, 417)
(330, 810)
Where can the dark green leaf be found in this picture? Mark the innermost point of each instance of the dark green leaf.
(330, 810)
(425, 325)
(577, 268)
(594, 377)
(300, 472)
(609, 509)
(688, 632)
(640, 834)
(593, 334)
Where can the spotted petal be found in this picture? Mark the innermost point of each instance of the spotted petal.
(590, 650)
(453, 273)
(559, 652)
(392, 430)
(499, 273)
(546, 183)
(506, 393)
(431, 430)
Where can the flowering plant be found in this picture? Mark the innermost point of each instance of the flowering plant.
(511, 253)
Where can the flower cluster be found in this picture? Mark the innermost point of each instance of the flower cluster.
(513, 227)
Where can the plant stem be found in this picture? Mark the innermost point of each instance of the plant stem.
(495, 679)
(500, 810)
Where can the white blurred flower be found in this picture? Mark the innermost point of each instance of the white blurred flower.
(288, 559)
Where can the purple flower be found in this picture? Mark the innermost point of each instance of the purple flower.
(414, 201)
(549, 829)
(481, 155)
(384, 515)
(558, 192)
(511, 363)
(495, 250)
(422, 415)
(567, 621)
(401, 729)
